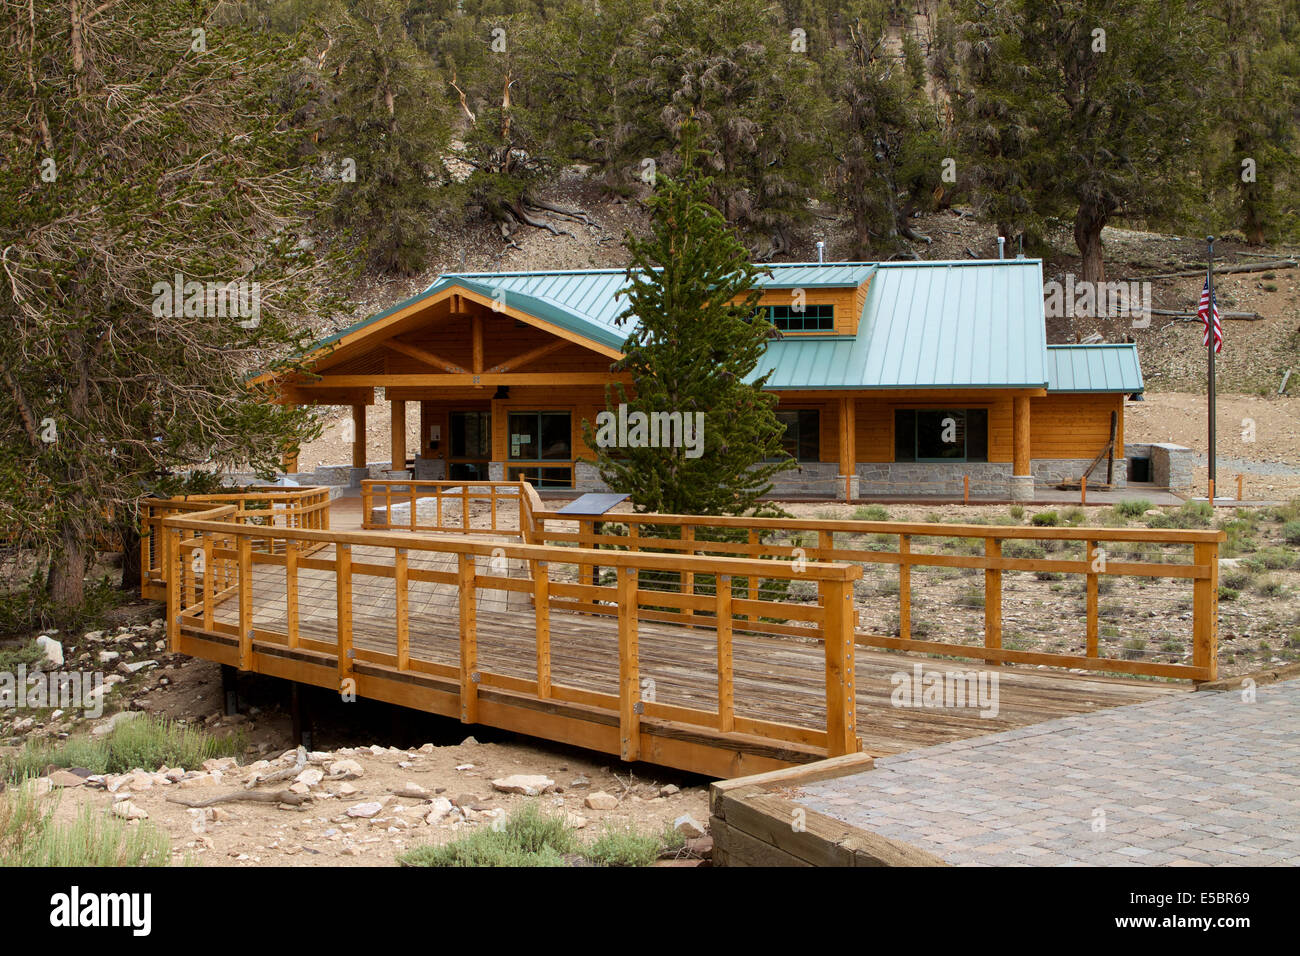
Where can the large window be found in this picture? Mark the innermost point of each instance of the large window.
(802, 440)
(811, 318)
(544, 442)
(470, 446)
(941, 434)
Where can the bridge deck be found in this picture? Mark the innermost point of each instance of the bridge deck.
(775, 678)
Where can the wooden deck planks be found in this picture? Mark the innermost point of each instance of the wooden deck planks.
(780, 679)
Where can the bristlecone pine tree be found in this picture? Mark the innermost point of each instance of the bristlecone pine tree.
(143, 140)
(695, 348)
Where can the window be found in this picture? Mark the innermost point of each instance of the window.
(540, 438)
(812, 318)
(802, 440)
(941, 434)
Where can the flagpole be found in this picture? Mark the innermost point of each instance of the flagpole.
(1209, 326)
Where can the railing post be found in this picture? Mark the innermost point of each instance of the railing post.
(208, 582)
(414, 507)
(542, 608)
(343, 604)
(1090, 604)
(1205, 610)
(468, 592)
(992, 597)
(905, 588)
(367, 506)
(291, 549)
(402, 609)
(170, 554)
(726, 689)
(245, 551)
(629, 670)
(1083, 490)
(841, 690)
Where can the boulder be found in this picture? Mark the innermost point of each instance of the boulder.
(129, 811)
(600, 800)
(365, 811)
(688, 827)
(346, 769)
(530, 785)
(52, 650)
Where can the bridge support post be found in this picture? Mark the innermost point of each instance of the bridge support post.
(229, 690)
(300, 713)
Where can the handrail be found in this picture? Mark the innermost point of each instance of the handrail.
(228, 567)
(411, 492)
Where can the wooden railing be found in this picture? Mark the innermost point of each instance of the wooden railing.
(1184, 557)
(373, 576)
(257, 507)
(447, 505)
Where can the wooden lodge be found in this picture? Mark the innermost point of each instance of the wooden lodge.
(893, 378)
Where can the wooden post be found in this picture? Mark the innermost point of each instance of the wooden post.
(1090, 610)
(542, 609)
(841, 693)
(402, 609)
(245, 551)
(476, 334)
(466, 575)
(208, 583)
(1205, 610)
(965, 489)
(343, 621)
(1211, 492)
(726, 690)
(398, 435)
(358, 436)
(1240, 478)
(1020, 436)
(1083, 490)
(992, 597)
(629, 669)
(848, 444)
(171, 580)
(905, 589)
(291, 591)
(688, 577)
(289, 461)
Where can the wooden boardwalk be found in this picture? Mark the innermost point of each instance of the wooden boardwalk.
(486, 629)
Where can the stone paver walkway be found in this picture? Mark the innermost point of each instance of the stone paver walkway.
(1194, 779)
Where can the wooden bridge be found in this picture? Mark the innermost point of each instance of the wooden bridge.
(721, 646)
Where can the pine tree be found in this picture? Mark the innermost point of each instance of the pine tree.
(694, 351)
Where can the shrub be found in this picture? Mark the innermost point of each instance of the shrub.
(146, 742)
(1017, 511)
(1045, 519)
(871, 513)
(1291, 532)
(1228, 594)
(1237, 580)
(624, 847)
(1074, 516)
(528, 838)
(30, 836)
(1271, 587)
(1132, 509)
(1134, 648)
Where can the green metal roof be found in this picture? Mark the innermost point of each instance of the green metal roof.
(962, 324)
(1094, 368)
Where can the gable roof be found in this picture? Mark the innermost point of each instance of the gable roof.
(924, 324)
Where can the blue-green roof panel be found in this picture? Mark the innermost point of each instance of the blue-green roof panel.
(1094, 368)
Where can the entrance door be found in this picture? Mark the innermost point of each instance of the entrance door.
(470, 448)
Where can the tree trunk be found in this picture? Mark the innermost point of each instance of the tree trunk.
(1088, 223)
(128, 528)
(66, 581)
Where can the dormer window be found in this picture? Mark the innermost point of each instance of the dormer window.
(811, 318)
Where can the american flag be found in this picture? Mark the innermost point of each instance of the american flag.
(1210, 304)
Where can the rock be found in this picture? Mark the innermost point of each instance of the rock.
(174, 775)
(467, 741)
(669, 790)
(579, 783)
(700, 846)
(600, 800)
(220, 763)
(66, 778)
(365, 811)
(465, 766)
(52, 650)
(413, 790)
(137, 666)
(427, 749)
(93, 636)
(438, 811)
(299, 788)
(129, 811)
(688, 826)
(346, 790)
(467, 801)
(574, 821)
(25, 724)
(530, 785)
(346, 769)
(199, 780)
(107, 657)
(309, 777)
(105, 727)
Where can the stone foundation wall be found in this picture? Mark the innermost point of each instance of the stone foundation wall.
(1172, 466)
(1054, 471)
(917, 479)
